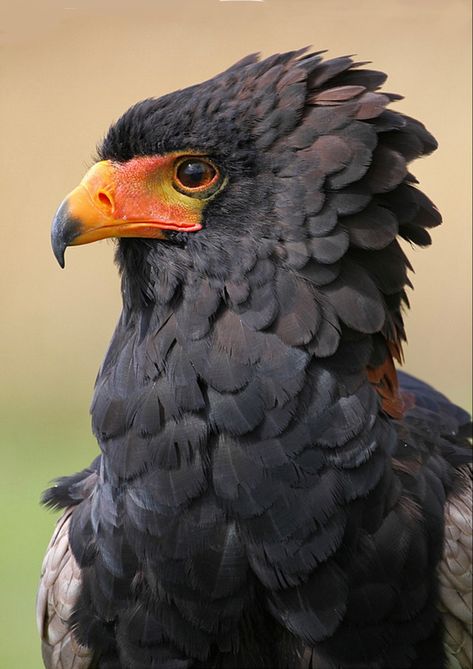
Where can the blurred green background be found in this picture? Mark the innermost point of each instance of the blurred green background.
(68, 71)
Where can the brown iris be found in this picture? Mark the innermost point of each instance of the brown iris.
(196, 176)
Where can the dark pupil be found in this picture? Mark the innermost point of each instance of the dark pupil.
(195, 173)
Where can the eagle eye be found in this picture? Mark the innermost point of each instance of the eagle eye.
(196, 176)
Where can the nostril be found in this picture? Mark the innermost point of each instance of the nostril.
(105, 200)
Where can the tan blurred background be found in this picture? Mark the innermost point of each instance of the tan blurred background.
(68, 70)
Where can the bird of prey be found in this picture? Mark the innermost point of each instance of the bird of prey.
(269, 491)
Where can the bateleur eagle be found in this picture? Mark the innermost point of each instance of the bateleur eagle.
(269, 492)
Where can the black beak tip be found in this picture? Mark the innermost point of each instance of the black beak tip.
(64, 230)
(59, 250)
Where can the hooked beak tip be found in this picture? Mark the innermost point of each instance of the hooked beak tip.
(64, 230)
(60, 258)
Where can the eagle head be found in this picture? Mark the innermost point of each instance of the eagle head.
(291, 162)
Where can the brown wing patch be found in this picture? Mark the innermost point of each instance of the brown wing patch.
(384, 379)
(57, 595)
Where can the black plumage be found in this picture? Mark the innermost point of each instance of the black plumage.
(265, 495)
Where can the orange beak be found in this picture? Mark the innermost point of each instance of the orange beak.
(132, 199)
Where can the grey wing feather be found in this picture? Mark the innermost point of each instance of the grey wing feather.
(57, 595)
(456, 573)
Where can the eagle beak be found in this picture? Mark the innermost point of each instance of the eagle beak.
(130, 199)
